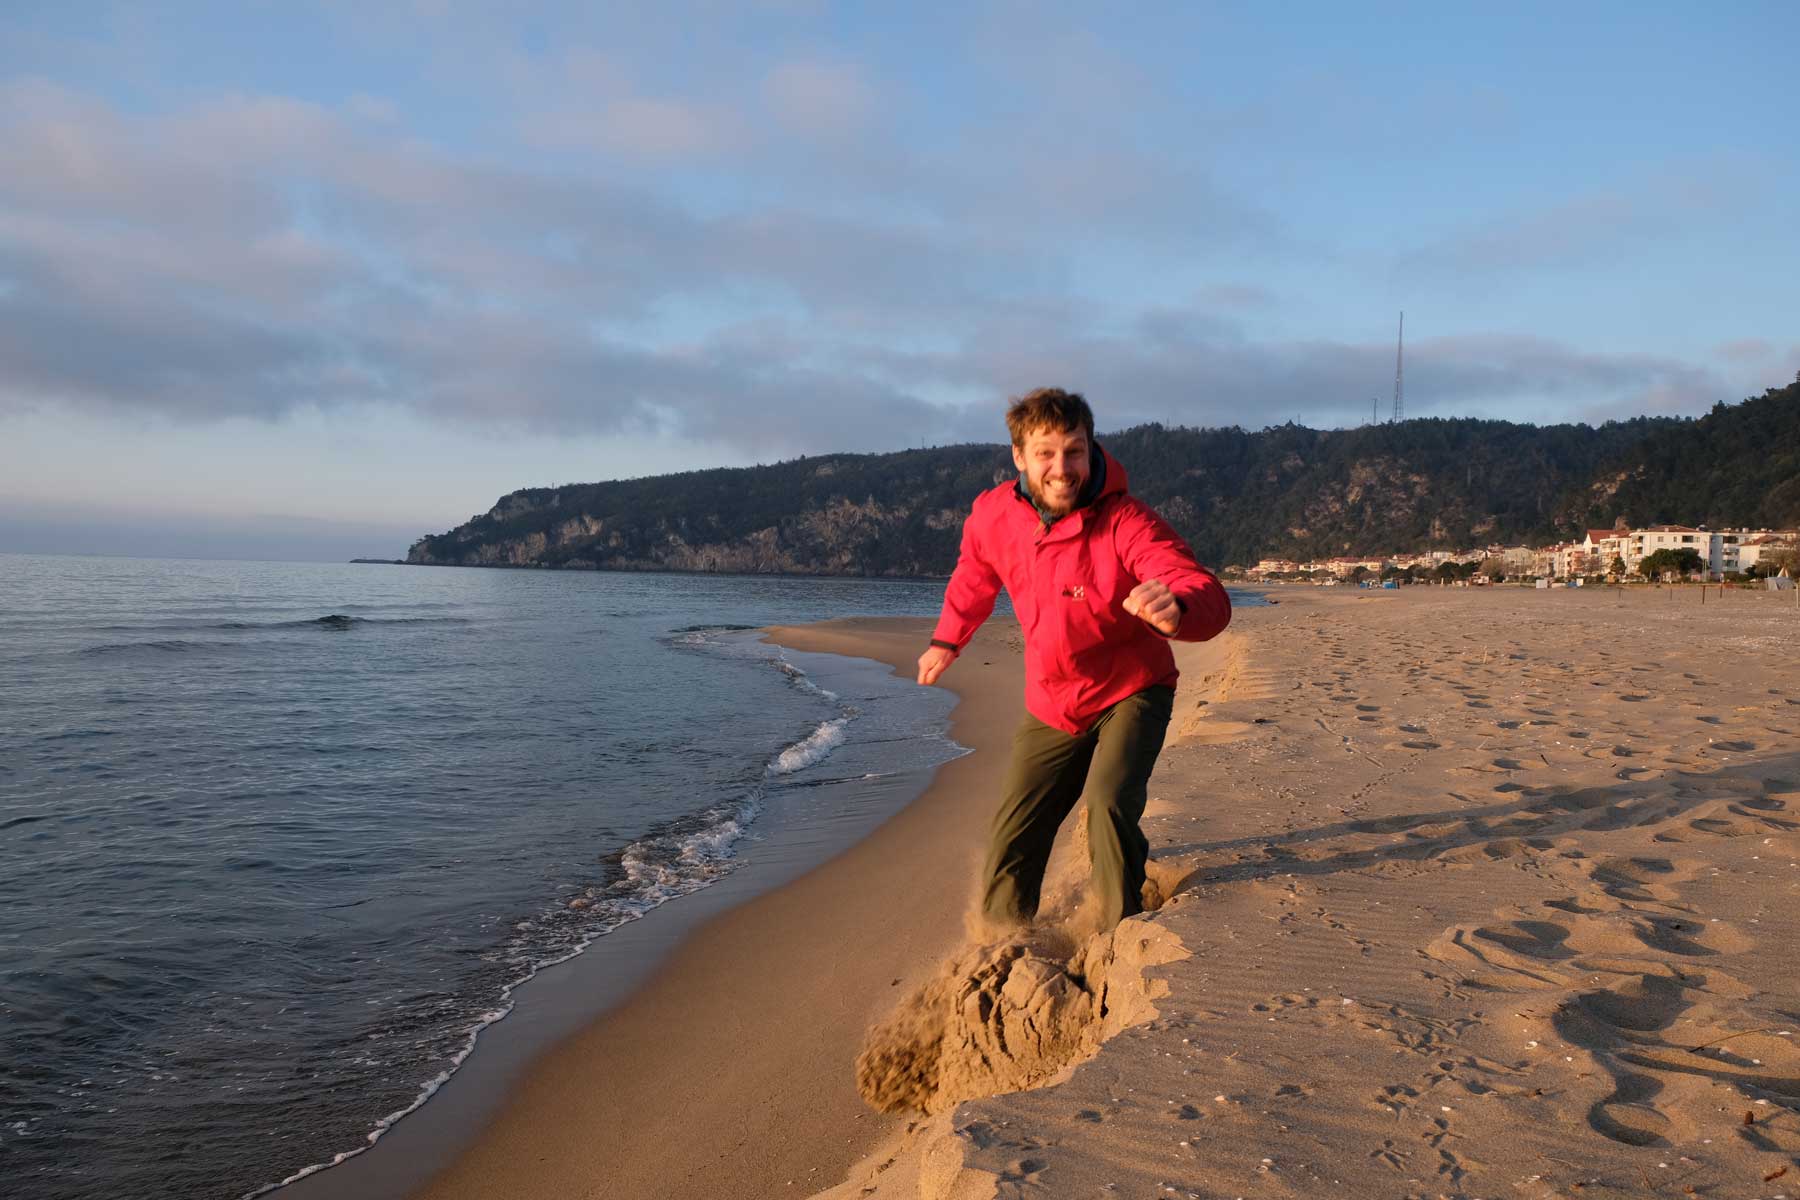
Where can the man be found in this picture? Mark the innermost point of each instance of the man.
(1100, 585)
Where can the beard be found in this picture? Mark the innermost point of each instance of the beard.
(1062, 504)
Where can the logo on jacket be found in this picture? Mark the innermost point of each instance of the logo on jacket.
(1074, 591)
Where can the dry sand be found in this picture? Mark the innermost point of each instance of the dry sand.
(1479, 894)
(1475, 893)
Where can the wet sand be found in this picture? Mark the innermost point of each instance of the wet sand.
(729, 1072)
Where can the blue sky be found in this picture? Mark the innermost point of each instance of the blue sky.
(313, 280)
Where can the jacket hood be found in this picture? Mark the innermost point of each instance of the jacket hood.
(1110, 474)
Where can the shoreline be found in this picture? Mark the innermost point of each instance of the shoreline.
(702, 1077)
(560, 999)
(1368, 773)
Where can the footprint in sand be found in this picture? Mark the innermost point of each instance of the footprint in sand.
(1640, 879)
(1024, 1171)
(1627, 1116)
(1644, 1004)
(1396, 1098)
(1534, 939)
(1723, 827)
(1283, 1003)
(1760, 808)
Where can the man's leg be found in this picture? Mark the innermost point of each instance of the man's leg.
(1042, 785)
(1130, 736)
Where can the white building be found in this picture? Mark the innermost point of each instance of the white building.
(1752, 548)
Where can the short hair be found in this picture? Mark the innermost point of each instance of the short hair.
(1048, 408)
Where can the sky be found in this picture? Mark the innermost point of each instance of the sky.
(296, 280)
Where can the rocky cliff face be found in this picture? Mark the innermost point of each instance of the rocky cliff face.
(658, 529)
(1235, 496)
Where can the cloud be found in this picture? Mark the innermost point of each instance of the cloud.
(819, 99)
(641, 128)
(255, 255)
(1192, 367)
(1746, 350)
(1595, 225)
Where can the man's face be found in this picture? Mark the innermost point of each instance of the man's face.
(1054, 465)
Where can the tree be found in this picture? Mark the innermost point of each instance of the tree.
(1617, 570)
(1361, 573)
(1494, 569)
(1684, 561)
(1776, 561)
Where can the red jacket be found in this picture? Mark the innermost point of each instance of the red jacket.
(1083, 651)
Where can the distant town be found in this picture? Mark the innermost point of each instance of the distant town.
(1660, 553)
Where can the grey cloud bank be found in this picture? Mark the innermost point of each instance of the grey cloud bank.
(253, 256)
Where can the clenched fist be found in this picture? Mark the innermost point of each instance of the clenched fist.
(1154, 604)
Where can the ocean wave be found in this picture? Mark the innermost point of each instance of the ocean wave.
(677, 860)
(336, 620)
(801, 679)
(160, 646)
(811, 749)
(343, 621)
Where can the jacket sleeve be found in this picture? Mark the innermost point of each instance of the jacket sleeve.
(1152, 550)
(969, 598)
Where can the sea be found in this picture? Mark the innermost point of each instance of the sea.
(279, 841)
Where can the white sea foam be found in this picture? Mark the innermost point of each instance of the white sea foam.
(801, 679)
(656, 869)
(816, 745)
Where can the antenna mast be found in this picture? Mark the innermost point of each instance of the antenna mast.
(1399, 373)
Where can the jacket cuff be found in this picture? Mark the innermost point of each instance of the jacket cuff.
(941, 644)
(1205, 614)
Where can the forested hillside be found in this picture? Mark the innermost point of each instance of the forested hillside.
(1738, 465)
(1235, 495)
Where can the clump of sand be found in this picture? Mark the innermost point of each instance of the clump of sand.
(1009, 1015)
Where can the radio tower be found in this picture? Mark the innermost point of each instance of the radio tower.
(1399, 374)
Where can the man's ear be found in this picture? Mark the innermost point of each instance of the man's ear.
(1019, 459)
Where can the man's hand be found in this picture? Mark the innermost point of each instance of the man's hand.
(1154, 604)
(933, 663)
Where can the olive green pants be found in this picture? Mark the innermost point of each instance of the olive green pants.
(1050, 770)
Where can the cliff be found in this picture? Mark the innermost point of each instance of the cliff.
(1235, 495)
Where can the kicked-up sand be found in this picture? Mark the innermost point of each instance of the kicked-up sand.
(1470, 893)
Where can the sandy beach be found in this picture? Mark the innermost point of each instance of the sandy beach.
(1472, 893)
